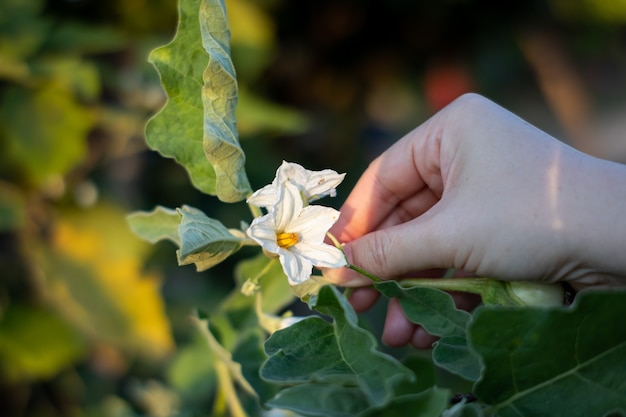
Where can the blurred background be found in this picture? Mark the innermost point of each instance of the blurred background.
(93, 322)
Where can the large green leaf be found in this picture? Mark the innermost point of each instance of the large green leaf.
(197, 125)
(219, 97)
(435, 311)
(335, 367)
(558, 361)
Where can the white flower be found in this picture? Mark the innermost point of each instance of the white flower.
(312, 185)
(296, 234)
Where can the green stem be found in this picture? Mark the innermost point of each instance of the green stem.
(227, 390)
(364, 273)
(492, 291)
(348, 264)
(471, 285)
(256, 211)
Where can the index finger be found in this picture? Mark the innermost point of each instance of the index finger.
(402, 182)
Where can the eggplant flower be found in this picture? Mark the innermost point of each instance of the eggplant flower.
(295, 233)
(312, 185)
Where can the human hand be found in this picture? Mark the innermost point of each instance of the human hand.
(477, 189)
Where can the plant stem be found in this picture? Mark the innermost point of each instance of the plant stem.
(256, 211)
(227, 390)
(364, 273)
(492, 291)
(471, 285)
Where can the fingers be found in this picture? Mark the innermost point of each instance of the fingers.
(403, 182)
(362, 299)
(400, 331)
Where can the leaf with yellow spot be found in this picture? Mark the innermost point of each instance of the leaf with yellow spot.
(95, 279)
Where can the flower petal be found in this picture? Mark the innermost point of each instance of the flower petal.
(320, 255)
(323, 183)
(263, 231)
(297, 269)
(313, 223)
(314, 184)
(287, 208)
(264, 197)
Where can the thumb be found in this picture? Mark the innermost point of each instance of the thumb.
(394, 252)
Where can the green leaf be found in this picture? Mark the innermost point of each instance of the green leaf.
(196, 126)
(568, 361)
(463, 409)
(45, 130)
(337, 363)
(158, 224)
(321, 400)
(35, 343)
(219, 96)
(377, 372)
(435, 311)
(453, 354)
(12, 207)
(204, 241)
(428, 403)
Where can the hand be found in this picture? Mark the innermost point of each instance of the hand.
(477, 189)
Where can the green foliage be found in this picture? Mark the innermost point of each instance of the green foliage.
(436, 312)
(83, 320)
(543, 362)
(202, 241)
(333, 368)
(207, 144)
(35, 344)
(512, 359)
(159, 224)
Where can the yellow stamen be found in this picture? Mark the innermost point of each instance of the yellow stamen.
(286, 240)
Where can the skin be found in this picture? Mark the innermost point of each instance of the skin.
(478, 189)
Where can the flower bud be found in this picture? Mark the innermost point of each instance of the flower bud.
(538, 294)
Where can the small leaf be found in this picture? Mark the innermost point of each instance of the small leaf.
(204, 241)
(435, 311)
(158, 224)
(568, 361)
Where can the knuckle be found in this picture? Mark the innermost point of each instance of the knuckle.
(379, 251)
